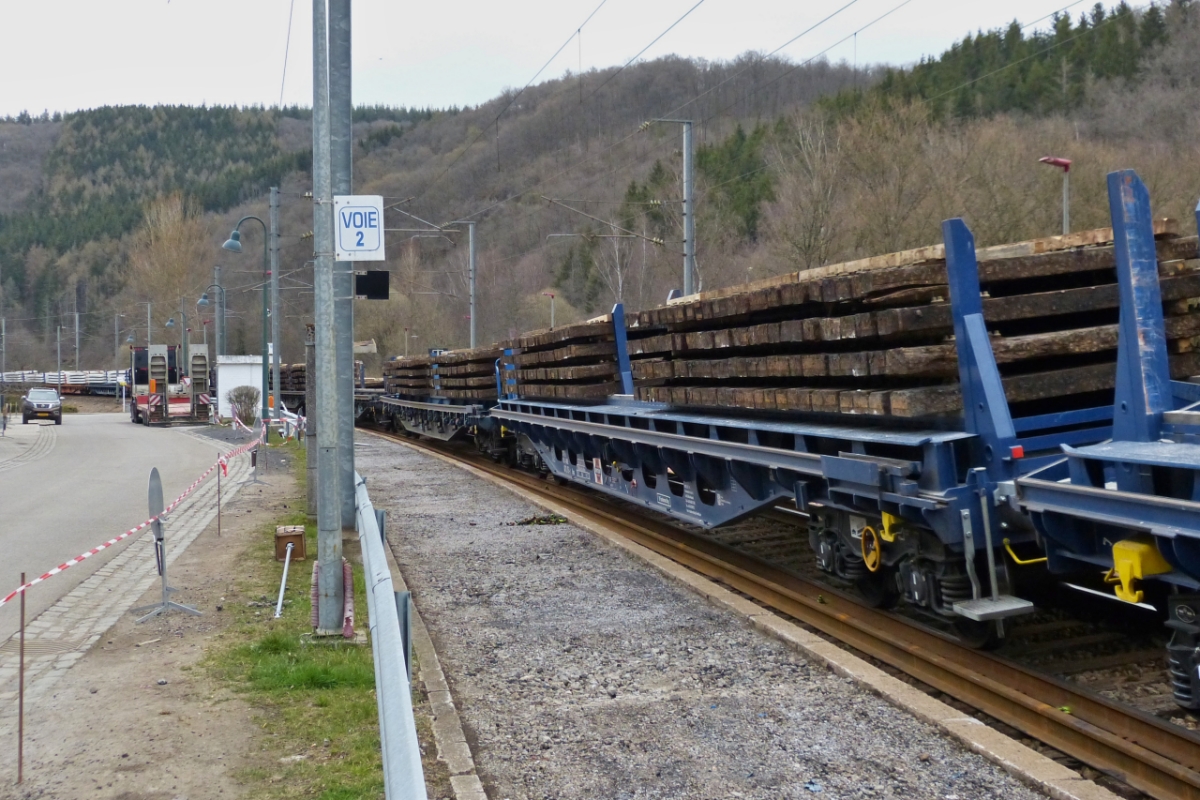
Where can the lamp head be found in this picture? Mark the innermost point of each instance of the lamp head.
(203, 301)
(129, 339)
(1062, 163)
(234, 242)
(171, 322)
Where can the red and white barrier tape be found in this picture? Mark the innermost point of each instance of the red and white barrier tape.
(221, 462)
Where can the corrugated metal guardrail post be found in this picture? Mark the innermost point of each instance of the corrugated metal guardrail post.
(402, 774)
(404, 612)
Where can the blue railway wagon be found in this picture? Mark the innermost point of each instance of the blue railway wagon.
(934, 516)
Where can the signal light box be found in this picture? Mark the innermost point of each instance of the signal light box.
(358, 226)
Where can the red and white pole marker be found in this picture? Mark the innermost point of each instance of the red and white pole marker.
(21, 695)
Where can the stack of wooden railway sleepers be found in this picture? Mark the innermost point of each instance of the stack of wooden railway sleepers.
(297, 378)
(875, 336)
(468, 376)
(574, 362)
(408, 376)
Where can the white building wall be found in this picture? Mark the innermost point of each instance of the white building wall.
(232, 372)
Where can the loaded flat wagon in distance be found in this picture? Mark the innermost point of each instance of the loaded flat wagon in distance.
(161, 393)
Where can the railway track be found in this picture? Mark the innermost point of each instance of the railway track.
(1115, 650)
(1131, 746)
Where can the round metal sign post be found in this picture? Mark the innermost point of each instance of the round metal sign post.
(155, 494)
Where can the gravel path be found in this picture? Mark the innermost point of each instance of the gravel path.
(580, 672)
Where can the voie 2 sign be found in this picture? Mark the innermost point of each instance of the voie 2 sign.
(358, 219)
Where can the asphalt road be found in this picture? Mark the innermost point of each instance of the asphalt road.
(71, 487)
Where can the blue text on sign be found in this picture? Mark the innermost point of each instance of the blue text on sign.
(358, 228)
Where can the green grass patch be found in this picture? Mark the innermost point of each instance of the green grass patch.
(317, 701)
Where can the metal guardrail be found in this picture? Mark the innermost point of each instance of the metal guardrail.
(403, 777)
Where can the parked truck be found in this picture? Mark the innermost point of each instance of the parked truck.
(161, 393)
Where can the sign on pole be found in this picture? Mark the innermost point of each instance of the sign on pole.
(358, 220)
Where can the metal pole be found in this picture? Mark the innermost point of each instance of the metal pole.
(116, 339)
(3, 350)
(58, 348)
(287, 560)
(275, 300)
(310, 418)
(341, 165)
(21, 692)
(471, 248)
(77, 341)
(266, 296)
(220, 311)
(219, 471)
(147, 335)
(1066, 201)
(551, 312)
(329, 515)
(689, 215)
(186, 367)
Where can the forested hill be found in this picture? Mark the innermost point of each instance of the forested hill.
(794, 168)
(107, 163)
(86, 177)
(1033, 69)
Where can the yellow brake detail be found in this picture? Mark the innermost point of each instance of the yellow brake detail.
(1133, 560)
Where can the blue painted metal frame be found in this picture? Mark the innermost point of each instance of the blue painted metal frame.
(722, 468)
(433, 417)
(508, 386)
(1139, 482)
(1143, 374)
(985, 407)
(624, 370)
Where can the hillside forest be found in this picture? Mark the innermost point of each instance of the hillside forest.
(798, 164)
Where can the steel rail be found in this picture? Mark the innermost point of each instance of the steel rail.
(1153, 756)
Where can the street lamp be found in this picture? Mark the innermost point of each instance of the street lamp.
(407, 336)
(1065, 165)
(147, 305)
(116, 336)
(551, 296)
(220, 315)
(234, 244)
(185, 368)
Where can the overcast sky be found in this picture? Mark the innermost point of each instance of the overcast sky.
(74, 54)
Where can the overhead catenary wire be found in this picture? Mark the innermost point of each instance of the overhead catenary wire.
(542, 244)
(636, 132)
(644, 49)
(486, 128)
(287, 46)
(886, 14)
(1052, 14)
(1046, 49)
(873, 22)
(592, 94)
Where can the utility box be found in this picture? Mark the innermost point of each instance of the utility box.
(289, 534)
